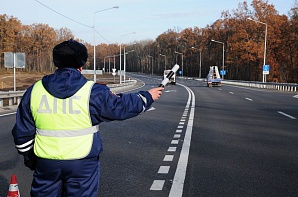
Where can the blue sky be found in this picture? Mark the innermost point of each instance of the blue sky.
(147, 18)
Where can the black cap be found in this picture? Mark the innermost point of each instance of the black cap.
(70, 54)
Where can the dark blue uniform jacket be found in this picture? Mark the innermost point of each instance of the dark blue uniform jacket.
(103, 105)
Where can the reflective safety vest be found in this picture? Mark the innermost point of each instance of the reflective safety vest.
(63, 126)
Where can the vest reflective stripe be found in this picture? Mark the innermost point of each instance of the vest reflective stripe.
(67, 133)
(64, 128)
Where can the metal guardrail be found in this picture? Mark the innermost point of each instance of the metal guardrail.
(290, 87)
(14, 97)
(11, 97)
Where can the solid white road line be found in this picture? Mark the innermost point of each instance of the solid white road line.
(287, 115)
(8, 114)
(179, 178)
(178, 181)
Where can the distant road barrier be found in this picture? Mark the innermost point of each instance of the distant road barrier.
(291, 87)
(14, 97)
(10, 96)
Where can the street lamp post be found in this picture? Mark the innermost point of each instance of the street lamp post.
(264, 78)
(94, 75)
(151, 63)
(200, 61)
(104, 64)
(223, 56)
(124, 68)
(182, 61)
(114, 61)
(124, 55)
(165, 59)
(109, 64)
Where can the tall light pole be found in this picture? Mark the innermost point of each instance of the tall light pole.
(124, 55)
(114, 61)
(115, 7)
(200, 61)
(223, 56)
(104, 64)
(264, 79)
(165, 59)
(151, 63)
(182, 61)
(124, 68)
(109, 64)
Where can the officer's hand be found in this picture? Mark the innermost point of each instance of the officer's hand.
(156, 92)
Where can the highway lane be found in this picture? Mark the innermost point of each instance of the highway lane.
(142, 152)
(241, 145)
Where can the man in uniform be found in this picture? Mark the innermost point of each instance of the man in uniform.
(57, 122)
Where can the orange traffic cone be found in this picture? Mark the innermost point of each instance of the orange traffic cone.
(13, 187)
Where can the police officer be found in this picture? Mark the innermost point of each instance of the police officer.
(57, 122)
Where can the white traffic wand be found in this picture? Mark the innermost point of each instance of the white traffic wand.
(168, 77)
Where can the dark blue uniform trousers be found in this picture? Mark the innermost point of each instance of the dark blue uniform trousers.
(71, 178)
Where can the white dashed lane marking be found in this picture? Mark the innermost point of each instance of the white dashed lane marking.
(168, 158)
(163, 169)
(157, 185)
(180, 173)
(172, 149)
(177, 136)
(175, 142)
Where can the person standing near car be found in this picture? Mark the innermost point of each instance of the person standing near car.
(56, 127)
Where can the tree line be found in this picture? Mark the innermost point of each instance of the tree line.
(239, 42)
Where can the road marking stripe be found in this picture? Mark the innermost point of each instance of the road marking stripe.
(177, 136)
(231, 92)
(8, 114)
(175, 142)
(181, 123)
(151, 108)
(172, 149)
(163, 169)
(249, 99)
(168, 158)
(287, 115)
(157, 185)
(296, 96)
(179, 178)
(180, 173)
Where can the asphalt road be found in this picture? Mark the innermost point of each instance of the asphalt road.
(241, 142)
